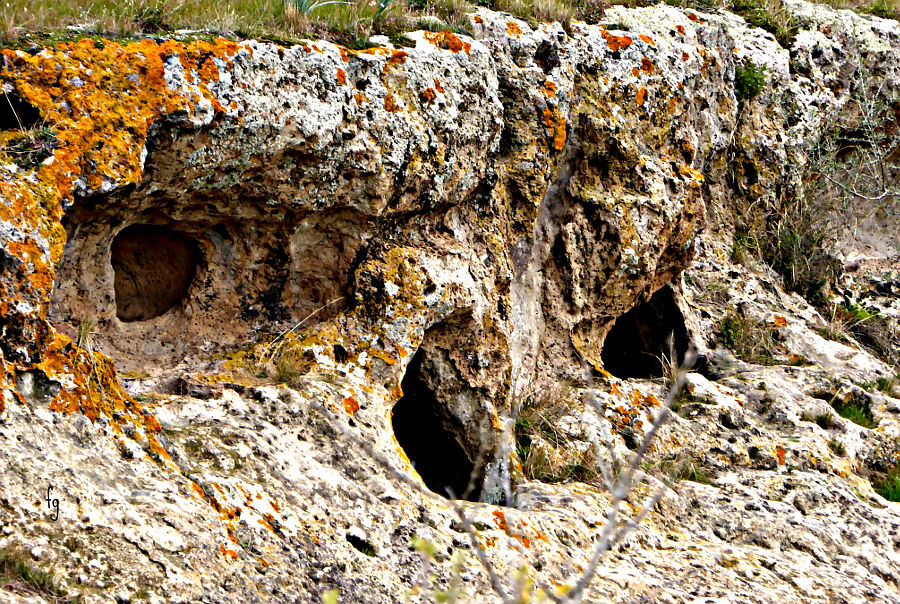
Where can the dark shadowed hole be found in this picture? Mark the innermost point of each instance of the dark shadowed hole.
(16, 113)
(638, 339)
(427, 434)
(362, 545)
(154, 267)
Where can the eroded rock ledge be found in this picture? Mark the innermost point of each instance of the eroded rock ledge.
(458, 225)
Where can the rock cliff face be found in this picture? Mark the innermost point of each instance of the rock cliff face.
(270, 243)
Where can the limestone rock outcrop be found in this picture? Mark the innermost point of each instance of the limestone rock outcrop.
(281, 247)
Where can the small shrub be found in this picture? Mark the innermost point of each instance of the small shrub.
(857, 413)
(28, 148)
(693, 473)
(889, 486)
(152, 20)
(888, 385)
(678, 468)
(750, 339)
(749, 80)
(548, 454)
(534, 11)
(590, 11)
(825, 421)
(837, 447)
(886, 9)
(20, 576)
(771, 16)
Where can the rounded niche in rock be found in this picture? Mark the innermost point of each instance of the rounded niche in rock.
(154, 267)
(638, 344)
(429, 436)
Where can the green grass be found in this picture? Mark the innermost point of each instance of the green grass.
(350, 22)
(750, 339)
(837, 447)
(857, 413)
(889, 486)
(888, 385)
(749, 80)
(823, 420)
(19, 575)
(558, 458)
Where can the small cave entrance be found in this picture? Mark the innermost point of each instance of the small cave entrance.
(639, 338)
(428, 435)
(154, 267)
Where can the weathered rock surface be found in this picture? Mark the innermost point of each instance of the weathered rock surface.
(433, 234)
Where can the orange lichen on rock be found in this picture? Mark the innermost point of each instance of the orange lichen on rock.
(635, 72)
(556, 122)
(616, 43)
(360, 98)
(228, 553)
(550, 89)
(448, 41)
(478, 19)
(780, 453)
(692, 16)
(646, 65)
(101, 126)
(647, 40)
(680, 29)
(398, 57)
(351, 406)
(437, 85)
(641, 96)
(390, 104)
(427, 95)
(500, 520)
(513, 30)
(341, 77)
(685, 56)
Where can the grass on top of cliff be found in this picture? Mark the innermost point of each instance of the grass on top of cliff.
(350, 22)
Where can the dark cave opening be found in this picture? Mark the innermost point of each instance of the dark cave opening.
(154, 267)
(639, 338)
(426, 431)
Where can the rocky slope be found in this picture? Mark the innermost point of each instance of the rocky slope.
(297, 257)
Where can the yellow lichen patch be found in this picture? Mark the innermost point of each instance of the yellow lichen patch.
(550, 89)
(513, 30)
(448, 41)
(556, 122)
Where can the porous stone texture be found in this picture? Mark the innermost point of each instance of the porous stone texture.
(485, 205)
